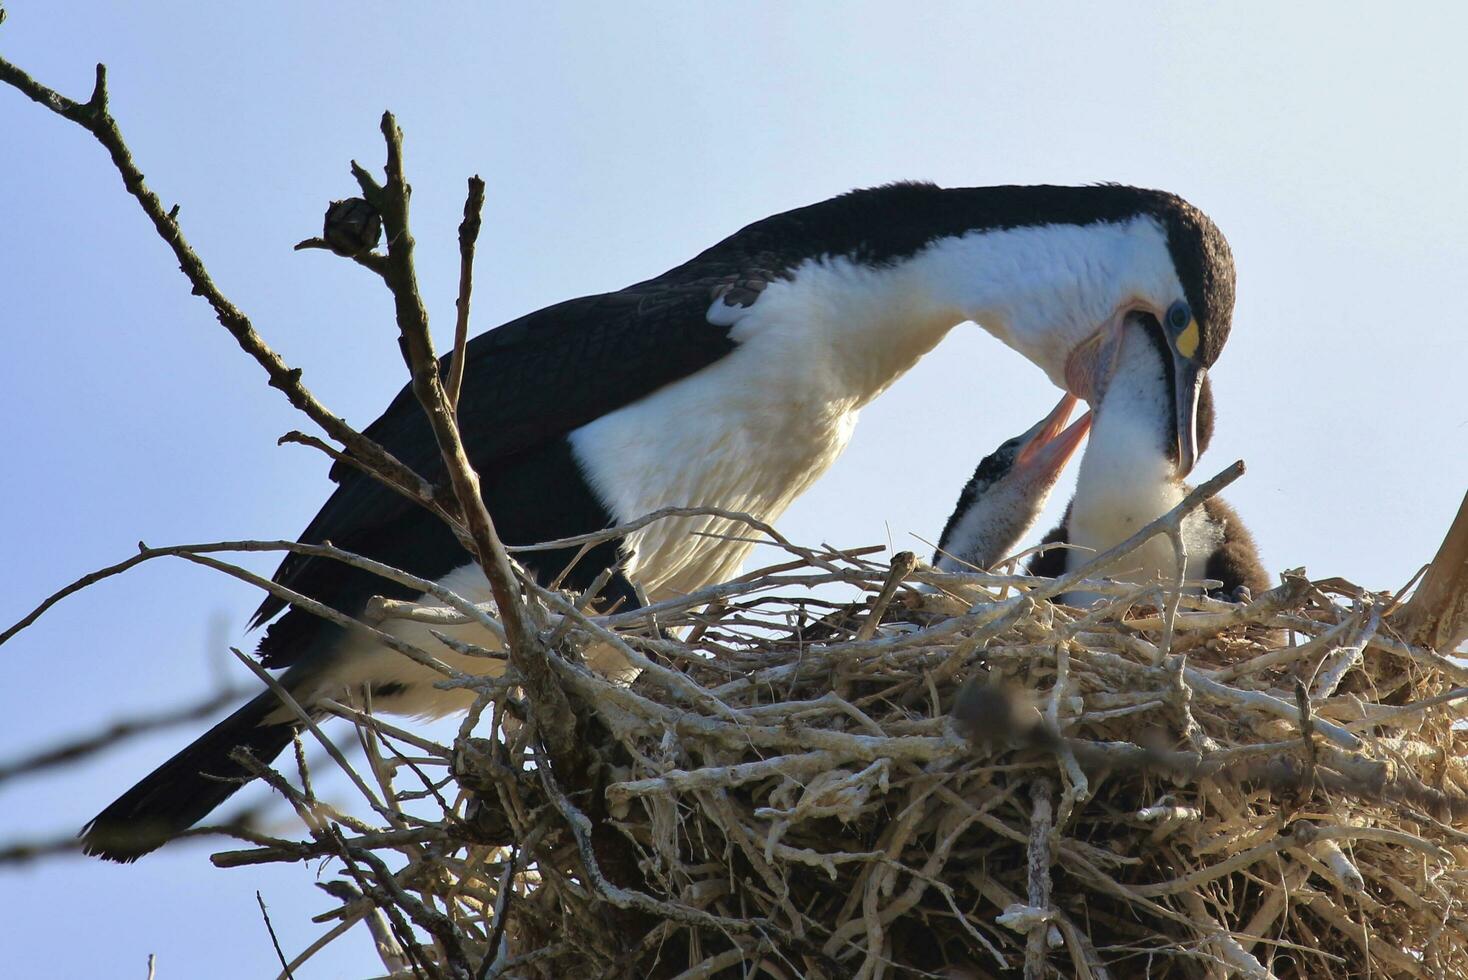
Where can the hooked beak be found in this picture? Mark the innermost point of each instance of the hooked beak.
(1047, 449)
(1187, 384)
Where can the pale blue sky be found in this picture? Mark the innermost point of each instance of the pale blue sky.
(1327, 141)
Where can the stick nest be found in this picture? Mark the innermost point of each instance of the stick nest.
(950, 776)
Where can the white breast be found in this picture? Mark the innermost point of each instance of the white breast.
(1111, 522)
(753, 431)
(1126, 482)
(747, 434)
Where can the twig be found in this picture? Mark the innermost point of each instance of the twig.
(1339, 662)
(1036, 945)
(623, 898)
(117, 732)
(902, 565)
(1307, 733)
(305, 719)
(326, 612)
(290, 851)
(280, 953)
(526, 652)
(468, 235)
(501, 907)
(385, 900)
(1171, 521)
(325, 939)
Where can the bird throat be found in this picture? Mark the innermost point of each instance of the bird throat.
(1127, 478)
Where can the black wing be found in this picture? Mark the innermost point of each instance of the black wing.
(526, 384)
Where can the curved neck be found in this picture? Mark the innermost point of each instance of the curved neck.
(1127, 478)
(1043, 289)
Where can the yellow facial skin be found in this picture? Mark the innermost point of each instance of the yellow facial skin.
(1187, 341)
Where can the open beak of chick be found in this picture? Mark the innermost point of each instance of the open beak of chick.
(1049, 445)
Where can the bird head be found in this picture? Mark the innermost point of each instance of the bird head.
(1008, 490)
(1181, 291)
(1137, 388)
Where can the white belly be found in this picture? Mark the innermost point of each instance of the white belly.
(755, 430)
(739, 436)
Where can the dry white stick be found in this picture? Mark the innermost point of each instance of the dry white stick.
(1293, 877)
(680, 780)
(1403, 963)
(1342, 869)
(901, 566)
(1261, 608)
(388, 949)
(348, 623)
(1423, 656)
(1040, 857)
(1076, 788)
(1383, 713)
(341, 927)
(1159, 813)
(1285, 655)
(1305, 833)
(402, 735)
(1340, 661)
(1223, 944)
(1267, 704)
(626, 898)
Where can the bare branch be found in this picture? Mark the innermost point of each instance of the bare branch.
(117, 732)
(280, 953)
(94, 117)
(526, 652)
(468, 235)
(1040, 859)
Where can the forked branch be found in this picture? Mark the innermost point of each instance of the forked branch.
(96, 118)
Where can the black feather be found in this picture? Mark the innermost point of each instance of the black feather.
(1051, 562)
(186, 788)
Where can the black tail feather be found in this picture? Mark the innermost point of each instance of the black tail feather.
(186, 788)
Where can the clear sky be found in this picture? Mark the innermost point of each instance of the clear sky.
(1327, 140)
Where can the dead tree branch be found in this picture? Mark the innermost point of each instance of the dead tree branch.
(1437, 614)
(94, 116)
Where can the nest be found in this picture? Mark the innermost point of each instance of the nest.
(949, 776)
